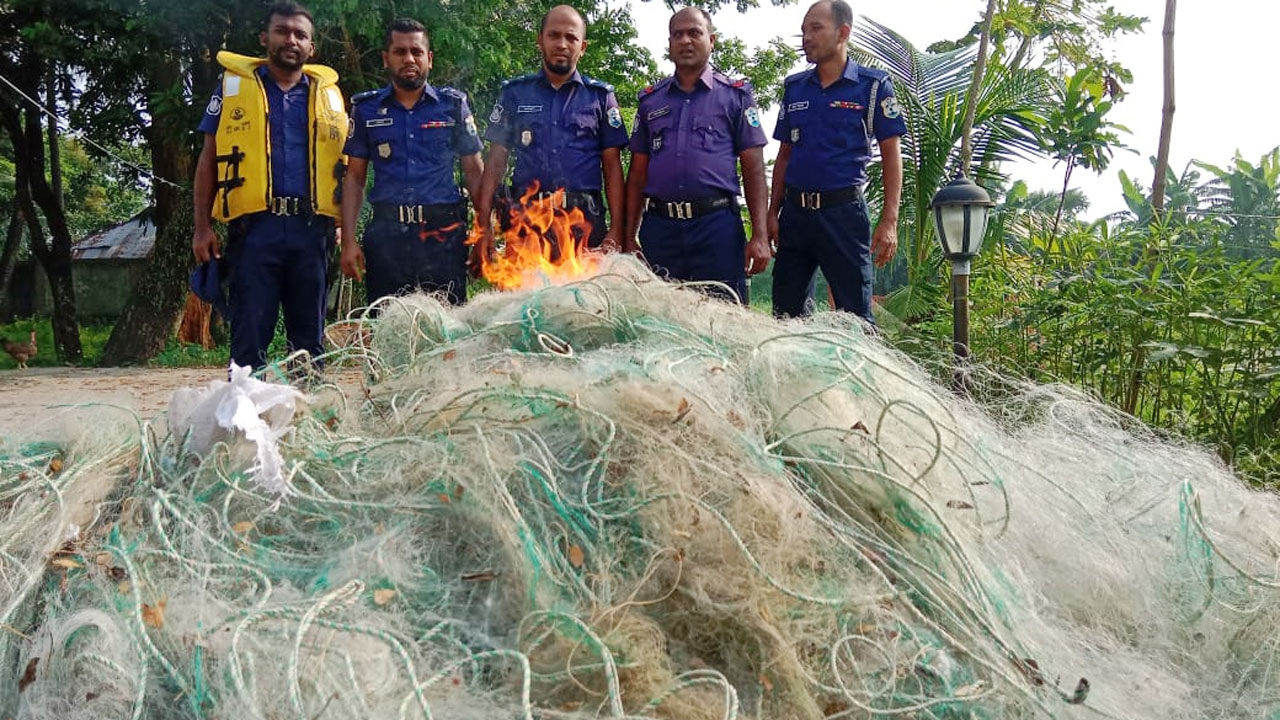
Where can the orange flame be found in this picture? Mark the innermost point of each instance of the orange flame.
(439, 234)
(546, 244)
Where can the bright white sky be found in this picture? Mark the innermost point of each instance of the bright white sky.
(1224, 50)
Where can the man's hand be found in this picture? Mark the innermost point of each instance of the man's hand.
(771, 230)
(612, 241)
(481, 252)
(352, 260)
(205, 245)
(758, 253)
(884, 241)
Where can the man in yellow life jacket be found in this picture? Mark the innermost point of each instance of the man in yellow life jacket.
(272, 168)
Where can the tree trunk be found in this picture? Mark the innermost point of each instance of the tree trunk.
(32, 189)
(157, 300)
(9, 260)
(1062, 200)
(55, 148)
(1166, 119)
(55, 257)
(975, 87)
(197, 322)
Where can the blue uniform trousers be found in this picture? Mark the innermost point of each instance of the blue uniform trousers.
(709, 247)
(277, 261)
(835, 239)
(405, 257)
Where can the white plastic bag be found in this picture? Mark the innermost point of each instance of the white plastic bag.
(257, 411)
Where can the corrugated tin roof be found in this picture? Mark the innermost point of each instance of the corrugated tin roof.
(133, 239)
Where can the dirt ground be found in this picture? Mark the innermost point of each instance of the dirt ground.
(28, 398)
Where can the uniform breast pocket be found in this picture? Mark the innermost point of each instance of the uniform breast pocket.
(585, 127)
(529, 134)
(710, 133)
(845, 127)
(801, 122)
(436, 136)
(382, 143)
(660, 134)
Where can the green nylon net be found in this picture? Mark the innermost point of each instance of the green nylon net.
(618, 498)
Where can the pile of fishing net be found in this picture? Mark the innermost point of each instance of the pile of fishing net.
(618, 498)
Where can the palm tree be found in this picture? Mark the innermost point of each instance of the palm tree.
(932, 89)
(1246, 198)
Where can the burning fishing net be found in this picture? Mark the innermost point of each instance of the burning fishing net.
(616, 498)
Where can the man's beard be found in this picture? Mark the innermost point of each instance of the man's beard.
(413, 83)
(558, 68)
(279, 59)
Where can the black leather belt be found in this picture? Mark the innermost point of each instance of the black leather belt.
(823, 198)
(289, 206)
(421, 214)
(569, 199)
(689, 209)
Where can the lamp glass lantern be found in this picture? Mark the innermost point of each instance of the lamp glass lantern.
(960, 212)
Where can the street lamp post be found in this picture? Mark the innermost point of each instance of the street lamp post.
(960, 211)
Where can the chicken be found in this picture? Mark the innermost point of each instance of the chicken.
(22, 352)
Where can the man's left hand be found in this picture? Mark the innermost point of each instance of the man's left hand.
(884, 242)
(758, 254)
(611, 242)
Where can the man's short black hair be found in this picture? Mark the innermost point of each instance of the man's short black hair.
(405, 25)
(543, 24)
(841, 13)
(706, 17)
(288, 9)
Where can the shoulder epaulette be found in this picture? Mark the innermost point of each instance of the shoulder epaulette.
(653, 88)
(873, 73)
(362, 96)
(796, 77)
(454, 93)
(522, 78)
(592, 82)
(739, 83)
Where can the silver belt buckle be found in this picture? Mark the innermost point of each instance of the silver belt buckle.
(680, 210)
(811, 200)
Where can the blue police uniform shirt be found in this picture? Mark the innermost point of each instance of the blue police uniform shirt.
(828, 128)
(413, 150)
(557, 135)
(287, 118)
(693, 139)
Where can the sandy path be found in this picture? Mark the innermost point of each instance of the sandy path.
(27, 396)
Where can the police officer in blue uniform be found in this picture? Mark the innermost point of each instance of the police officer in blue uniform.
(413, 133)
(831, 115)
(691, 132)
(566, 132)
(277, 257)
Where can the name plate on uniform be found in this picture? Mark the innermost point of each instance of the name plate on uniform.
(802, 105)
(379, 122)
(528, 108)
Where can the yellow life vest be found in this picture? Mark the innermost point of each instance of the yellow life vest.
(244, 140)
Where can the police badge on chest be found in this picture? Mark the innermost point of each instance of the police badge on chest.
(656, 144)
(526, 138)
(384, 150)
